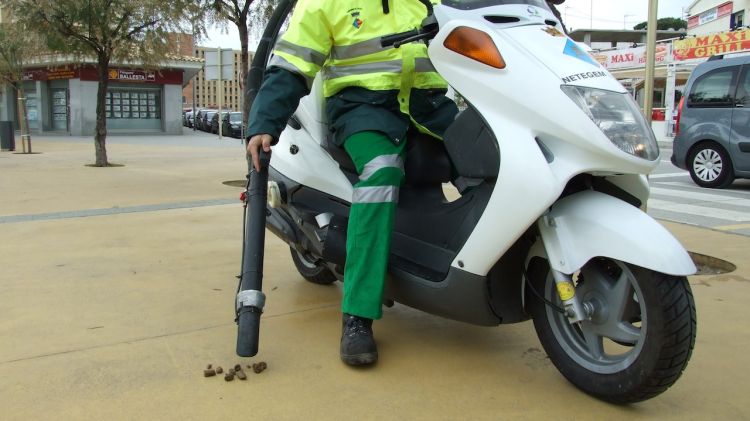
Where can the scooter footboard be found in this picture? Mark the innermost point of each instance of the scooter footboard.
(591, 224)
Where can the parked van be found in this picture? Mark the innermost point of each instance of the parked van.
(713, 123)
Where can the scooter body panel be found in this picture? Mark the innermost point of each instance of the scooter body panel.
(541, 116)
(591, 224)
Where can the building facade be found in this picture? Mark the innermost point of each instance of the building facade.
(60, 96)
(710, 16)
(207, 91)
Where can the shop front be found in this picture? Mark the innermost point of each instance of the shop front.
(62, 98)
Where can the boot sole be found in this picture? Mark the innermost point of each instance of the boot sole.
(366, 358)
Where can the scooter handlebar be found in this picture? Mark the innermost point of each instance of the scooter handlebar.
(389, 40)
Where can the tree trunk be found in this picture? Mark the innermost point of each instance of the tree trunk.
(244, 57)
(100, 135)
(23, 122)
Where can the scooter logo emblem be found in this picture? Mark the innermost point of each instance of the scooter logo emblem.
(553, 31)
(571, 49)
(533, 11)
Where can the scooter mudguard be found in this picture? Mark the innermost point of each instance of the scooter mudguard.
(591, 224)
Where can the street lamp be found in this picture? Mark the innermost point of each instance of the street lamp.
(648, 96)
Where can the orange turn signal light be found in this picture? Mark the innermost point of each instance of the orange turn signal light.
(476, 45)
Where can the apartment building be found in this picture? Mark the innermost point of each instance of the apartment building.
(711, 16)
(207, 91)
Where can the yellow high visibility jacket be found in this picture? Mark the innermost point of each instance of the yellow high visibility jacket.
(341, 38)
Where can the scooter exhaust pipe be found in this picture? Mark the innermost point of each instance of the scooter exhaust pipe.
(250, 298)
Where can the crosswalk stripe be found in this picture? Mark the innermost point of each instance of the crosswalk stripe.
(695, 187)
(729, 215)
(706, 197)
(673, 174)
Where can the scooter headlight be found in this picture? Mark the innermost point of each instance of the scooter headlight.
(618, 116)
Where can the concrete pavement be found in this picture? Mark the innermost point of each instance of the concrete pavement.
(117, 287)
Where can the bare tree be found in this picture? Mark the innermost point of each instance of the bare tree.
(248, 16)
(17, 47)
(111, 31)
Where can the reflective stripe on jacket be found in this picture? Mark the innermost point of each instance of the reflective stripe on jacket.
(341, 38)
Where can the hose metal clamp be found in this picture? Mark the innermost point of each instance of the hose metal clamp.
(251, 298)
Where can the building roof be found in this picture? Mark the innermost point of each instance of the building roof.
(622, 35)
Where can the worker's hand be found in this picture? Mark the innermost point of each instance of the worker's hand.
(254, 145)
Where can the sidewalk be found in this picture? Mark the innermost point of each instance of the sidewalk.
(118, 289)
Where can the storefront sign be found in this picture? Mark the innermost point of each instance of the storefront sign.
(630, 57)
(50, 74)
(132, 76)
(163, 77)
(709, 45)
(710, 15)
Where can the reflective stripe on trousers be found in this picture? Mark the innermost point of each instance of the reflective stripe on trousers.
(380, 166)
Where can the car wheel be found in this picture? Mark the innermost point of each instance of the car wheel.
(710, 166)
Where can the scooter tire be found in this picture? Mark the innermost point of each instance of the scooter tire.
(657, 310)
(312, 271)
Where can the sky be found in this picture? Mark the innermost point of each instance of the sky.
(577, 14)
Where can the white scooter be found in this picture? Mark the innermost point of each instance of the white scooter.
(552, 156)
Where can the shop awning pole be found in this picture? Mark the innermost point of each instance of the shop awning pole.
(648, 95)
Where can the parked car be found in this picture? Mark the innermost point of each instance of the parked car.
(215, 121)
(205, 119)
(232, 124)
(187, 118)
(199, 118)
(713, 123)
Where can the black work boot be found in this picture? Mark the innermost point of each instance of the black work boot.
(357, 344)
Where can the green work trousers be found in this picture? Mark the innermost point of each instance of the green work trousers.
(380, 165)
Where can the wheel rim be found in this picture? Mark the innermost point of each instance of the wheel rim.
(305, 261)
(613, 338)
(707, 165)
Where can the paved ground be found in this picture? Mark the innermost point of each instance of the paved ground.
(117, 288)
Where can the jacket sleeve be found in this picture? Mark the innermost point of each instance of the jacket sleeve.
(298, 56)
(276, 101)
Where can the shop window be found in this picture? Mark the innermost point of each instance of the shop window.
(133, 104)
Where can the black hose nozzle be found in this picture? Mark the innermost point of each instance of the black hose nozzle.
(250, 299)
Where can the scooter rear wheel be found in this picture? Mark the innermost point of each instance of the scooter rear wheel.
(311, 270)
(638, 340)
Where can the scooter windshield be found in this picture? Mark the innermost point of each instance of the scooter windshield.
(478, 4)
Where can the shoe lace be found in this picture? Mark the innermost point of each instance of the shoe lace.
(357, 325)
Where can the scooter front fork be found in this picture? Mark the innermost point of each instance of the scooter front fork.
(566, 290)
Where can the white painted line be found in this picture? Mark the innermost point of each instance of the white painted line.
(695, 210)
(696, 187)
(704, 197)
(672, 174)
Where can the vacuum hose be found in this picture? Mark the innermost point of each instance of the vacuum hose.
(250, 298)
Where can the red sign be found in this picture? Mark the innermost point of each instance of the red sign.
(132, 76)
(709, 45)
(51, 74)
(163, 77)
(629, 57)
(89, 73)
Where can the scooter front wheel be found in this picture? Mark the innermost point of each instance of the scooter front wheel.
(313, 271)
(638, 340)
